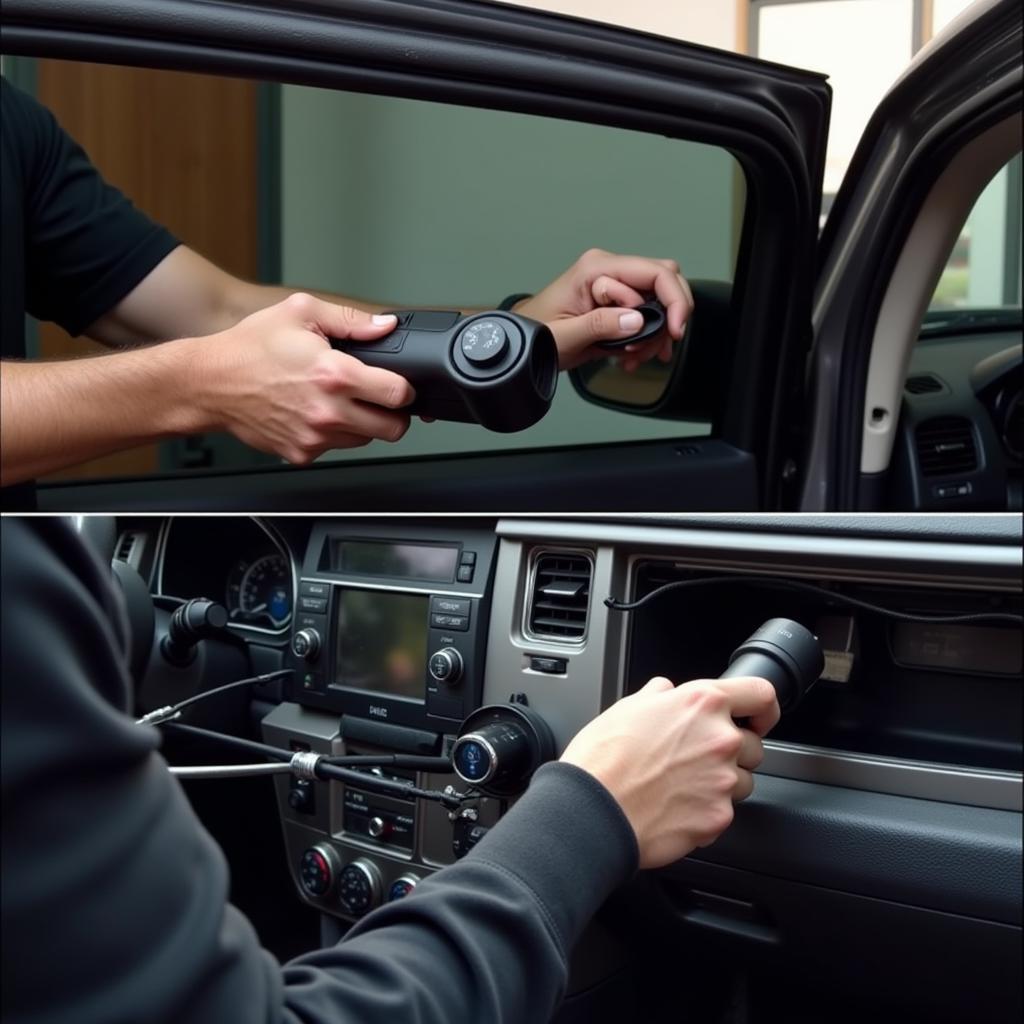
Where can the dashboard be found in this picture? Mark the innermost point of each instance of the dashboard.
(241, 563)
(961, 432)
(890, 799)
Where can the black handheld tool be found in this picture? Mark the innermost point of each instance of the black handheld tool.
(786, 654)
(496, 369)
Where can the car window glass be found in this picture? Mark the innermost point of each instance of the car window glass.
(408, 203)
(984, 269)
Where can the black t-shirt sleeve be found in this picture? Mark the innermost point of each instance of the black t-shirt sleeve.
(86, 245)
(115, 900)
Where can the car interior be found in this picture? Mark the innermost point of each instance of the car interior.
(875, 870)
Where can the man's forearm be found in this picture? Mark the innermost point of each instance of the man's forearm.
(246, 298)
(57, 414)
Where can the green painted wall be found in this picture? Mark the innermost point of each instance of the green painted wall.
(416, 203)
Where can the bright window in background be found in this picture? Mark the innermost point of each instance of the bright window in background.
(862, 45)
(983, 271)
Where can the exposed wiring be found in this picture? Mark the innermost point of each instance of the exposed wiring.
(810, 588)
(172, 711)
(312, 765)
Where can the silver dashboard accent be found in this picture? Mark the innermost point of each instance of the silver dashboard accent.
(359, 584)
(922, 779)
(881, 560)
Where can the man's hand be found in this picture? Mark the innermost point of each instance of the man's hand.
(274, 381)
(595, 300)
(675, 761)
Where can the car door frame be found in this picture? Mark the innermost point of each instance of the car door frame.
(939, 106)
(772, 119)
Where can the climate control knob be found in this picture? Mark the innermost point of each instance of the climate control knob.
(306, 644)
(446, 666)
(359, 887)
(318, 868)
(401, 887)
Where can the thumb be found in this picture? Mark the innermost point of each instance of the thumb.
(339, 321)
(606, 323)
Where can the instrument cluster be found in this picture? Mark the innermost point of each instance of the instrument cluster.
(238, 561)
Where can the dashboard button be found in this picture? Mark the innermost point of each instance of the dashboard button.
(312, 604)
(433, 320)
(459, 622)
(552, 666)
(314, 589)
(467, 558)
(450, 605)
(465, 574)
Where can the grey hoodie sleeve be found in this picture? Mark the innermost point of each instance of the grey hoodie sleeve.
(115, 899)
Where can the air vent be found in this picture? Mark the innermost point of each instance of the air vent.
(127, 544)
(923, 384)
(945, 446)
(560, 598)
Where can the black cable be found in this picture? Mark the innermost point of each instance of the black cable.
(327, 770)
(251, 681)
(810, 588)
(165, 714)
(413, 761)
(249, 746)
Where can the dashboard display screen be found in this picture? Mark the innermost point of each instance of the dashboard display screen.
(434, 563)
(382, 642)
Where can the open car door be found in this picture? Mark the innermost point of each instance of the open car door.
(724, 433)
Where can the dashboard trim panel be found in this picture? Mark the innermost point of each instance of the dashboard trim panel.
(1003, 791)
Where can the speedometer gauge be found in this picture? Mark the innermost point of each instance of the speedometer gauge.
(260, 592)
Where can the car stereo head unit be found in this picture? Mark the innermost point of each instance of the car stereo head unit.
(391, 625)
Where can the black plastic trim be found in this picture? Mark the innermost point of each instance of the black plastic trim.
(699, 474)
(960, 860)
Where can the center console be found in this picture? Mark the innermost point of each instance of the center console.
(387, 645)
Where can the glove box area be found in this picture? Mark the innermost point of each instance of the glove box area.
(946, 693)
(803, 953)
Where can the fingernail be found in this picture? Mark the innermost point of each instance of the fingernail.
(631, 321)
(384, 318)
